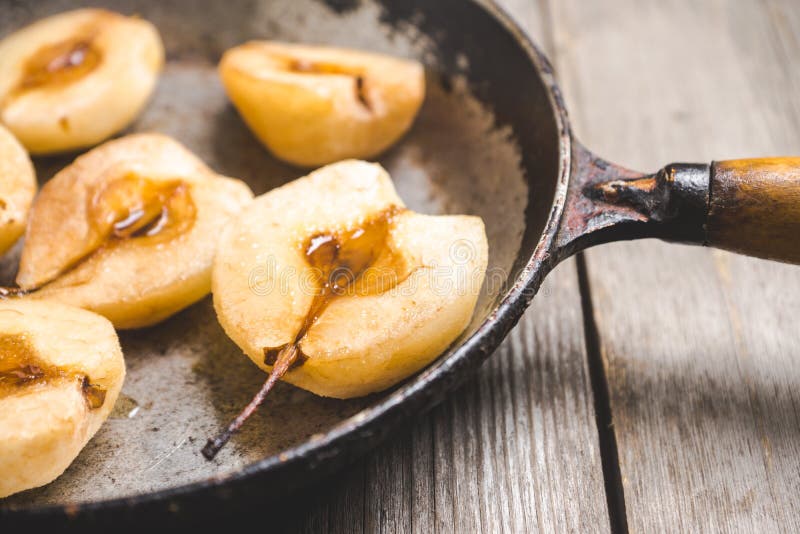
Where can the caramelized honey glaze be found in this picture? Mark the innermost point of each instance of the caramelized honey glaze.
(353, 261)
(134, 207)
(21, 369)
(59, 64)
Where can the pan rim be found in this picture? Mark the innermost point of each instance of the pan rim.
(474, 350)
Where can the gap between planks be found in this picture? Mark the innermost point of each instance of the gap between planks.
(700, 347)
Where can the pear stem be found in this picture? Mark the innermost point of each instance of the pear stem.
(286, 358)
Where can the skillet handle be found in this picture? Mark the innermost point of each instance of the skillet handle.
(749, 206)
(754, 208)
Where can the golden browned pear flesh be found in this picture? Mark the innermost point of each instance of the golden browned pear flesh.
(314, 105)
(17, 188)
(333, 285)
(61, 369)
(74, 79)
(129, 230)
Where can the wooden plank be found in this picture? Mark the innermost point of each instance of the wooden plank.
(701, 348)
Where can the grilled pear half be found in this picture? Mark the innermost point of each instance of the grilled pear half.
(74, 79)
(61, 370)
(315, 105)
(129, 230)
(335, 268)
(17, 188)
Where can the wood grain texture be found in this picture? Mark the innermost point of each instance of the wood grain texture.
(701, 347)
(755, 207)
(514, 450)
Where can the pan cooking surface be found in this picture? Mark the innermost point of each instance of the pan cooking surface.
(185, 378)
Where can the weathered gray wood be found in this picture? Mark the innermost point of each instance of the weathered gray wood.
(701, 348)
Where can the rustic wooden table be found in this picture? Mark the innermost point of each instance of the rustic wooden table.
(651, 387)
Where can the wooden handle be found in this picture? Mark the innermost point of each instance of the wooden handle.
(754, 207)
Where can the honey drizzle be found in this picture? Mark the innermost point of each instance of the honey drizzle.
(61, 63)
(131, 207)
(340, 259)
(57, 65)
(22, 369)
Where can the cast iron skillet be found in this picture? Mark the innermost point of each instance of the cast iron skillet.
(493, 139)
